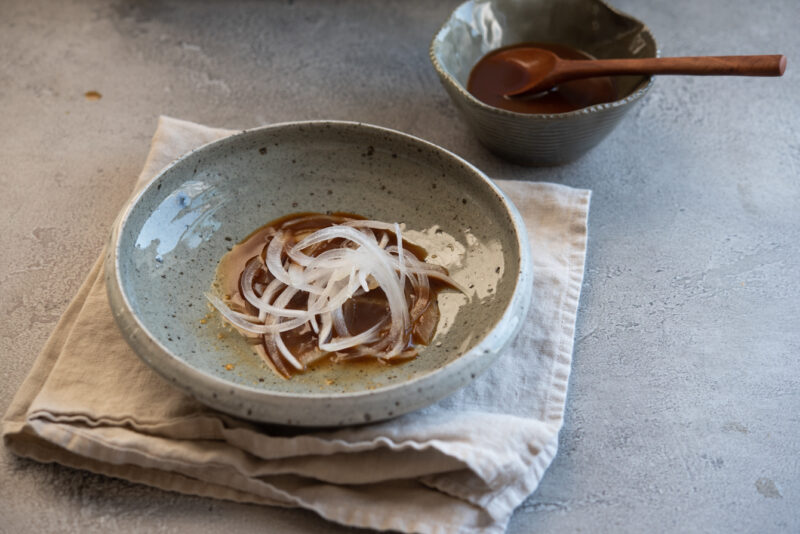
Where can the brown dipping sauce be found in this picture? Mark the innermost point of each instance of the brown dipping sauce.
(490, 80)
(361, 312)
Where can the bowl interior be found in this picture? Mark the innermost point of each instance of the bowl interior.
(478, 26)
(174, 234)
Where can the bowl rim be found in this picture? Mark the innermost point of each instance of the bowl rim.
(128, 321)
(450, 80)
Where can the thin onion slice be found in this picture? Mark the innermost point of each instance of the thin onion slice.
(341, 343)
(245, 322)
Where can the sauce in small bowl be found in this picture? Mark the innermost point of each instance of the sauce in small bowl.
(551, 136)
(490, 79)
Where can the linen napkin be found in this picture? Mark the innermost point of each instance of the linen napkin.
(461, 465)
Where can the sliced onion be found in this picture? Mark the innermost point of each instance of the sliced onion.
(273, 261)
(287, 353)
(262, 302)
(415, 266)
(338, 323)
(296, 262)
(282, 300)
(274, 363)
(341, 343)
(245, 322)
(400, 258)
(325, 328)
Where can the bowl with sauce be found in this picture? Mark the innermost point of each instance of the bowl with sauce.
(280, 219)
(564, 123)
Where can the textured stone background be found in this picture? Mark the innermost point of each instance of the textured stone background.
(684, 407)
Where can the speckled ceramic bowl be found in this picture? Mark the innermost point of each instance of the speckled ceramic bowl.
(168, 240)
(477, 27)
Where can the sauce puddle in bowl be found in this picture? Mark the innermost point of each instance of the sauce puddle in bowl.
(491, 79)
(309, 287)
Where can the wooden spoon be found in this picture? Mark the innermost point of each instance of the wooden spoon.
(543, 69)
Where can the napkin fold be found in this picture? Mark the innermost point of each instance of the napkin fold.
(461, 465)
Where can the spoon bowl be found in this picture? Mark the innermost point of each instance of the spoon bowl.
(527, 69)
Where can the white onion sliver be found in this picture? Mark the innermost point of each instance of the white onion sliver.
(287, 354)
(325, 328)
(400, 258)
(415, 266)
(282, 300)
(274, 264)
(377, 225)
(342, 343)
(243, 321)
(338, 323)
(262, 303)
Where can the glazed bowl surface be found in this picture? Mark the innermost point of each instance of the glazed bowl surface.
(169, 239)
(477, 27)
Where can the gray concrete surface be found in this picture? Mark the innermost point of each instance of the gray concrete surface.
(683, 410)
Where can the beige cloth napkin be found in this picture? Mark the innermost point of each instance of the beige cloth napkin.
(461, 465)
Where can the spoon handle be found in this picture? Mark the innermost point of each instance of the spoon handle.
(766, 65)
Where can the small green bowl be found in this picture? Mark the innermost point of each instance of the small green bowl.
(477, 27)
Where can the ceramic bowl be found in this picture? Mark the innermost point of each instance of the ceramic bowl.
(169, 239)
(477, 27)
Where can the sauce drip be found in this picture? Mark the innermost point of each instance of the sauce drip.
(491, 79)
(361, 312)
